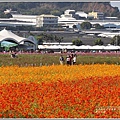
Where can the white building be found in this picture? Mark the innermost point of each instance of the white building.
(67, 19)
(14, 22)
(81, 14)
(27, 18)
(68, 12)
(46, 21)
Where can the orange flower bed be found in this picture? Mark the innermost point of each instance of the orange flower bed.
(79, 91)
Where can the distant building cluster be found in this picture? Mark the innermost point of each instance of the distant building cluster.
(68, 19)
(82, 15)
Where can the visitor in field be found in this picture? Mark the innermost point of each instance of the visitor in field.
(61, 59)
(71, 59)
(14, 55)
(68, 59)
(74, 59)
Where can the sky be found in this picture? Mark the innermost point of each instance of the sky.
(115, 4)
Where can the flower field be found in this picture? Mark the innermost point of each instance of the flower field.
(56, 91)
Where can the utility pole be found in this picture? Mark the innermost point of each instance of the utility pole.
(116, 41)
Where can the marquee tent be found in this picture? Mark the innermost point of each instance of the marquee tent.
(97, 47)
(7, 44)
(6, 35)
(111, 47)
(82, 47)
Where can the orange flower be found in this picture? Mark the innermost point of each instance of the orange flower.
(83, 91)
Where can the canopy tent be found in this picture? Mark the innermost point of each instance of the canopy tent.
(82, 47)
(42, 46)
(69, 47)
(111, 47)
(6, 35)
(97, 47)
(56, 47)
(7, 44)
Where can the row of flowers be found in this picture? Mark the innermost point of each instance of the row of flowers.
(79, 91)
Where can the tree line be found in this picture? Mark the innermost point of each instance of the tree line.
(114, 41)
(44, 37)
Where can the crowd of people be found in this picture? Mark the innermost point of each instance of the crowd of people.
(70, 59)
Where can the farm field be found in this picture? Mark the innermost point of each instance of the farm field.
(59, 91)
(34, 59)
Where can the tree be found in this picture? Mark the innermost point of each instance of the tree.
(55, 12)
(40, 40)
(51, 37)
(77, 42)
(115, 40)
(98, 26)
(98, 41)
(58, 39)
(86, 25)
(45, 37)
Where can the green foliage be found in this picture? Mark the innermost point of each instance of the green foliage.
(47, 37)
(56, 8)
(115, 40)
(98, 26)
(112, 42)
(44, 37)
(40, 40)
(55, 12)
(58, 39)
(77, 42)
(50, 37)
(49, 59)
(98, 41)
(86, 25)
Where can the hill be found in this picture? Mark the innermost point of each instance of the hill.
(57, 8)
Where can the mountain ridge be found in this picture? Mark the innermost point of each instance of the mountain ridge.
(57, 8)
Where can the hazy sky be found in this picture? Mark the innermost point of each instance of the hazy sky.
(115, 4)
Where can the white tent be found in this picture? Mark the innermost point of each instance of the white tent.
(111, 47)
(97, 47)
(6, 35)
(42, 46)
(83, 47)
(68, 47)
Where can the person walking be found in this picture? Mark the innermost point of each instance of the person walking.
(74, 59)
(61, 59)
(68, 59)
(71, 59)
